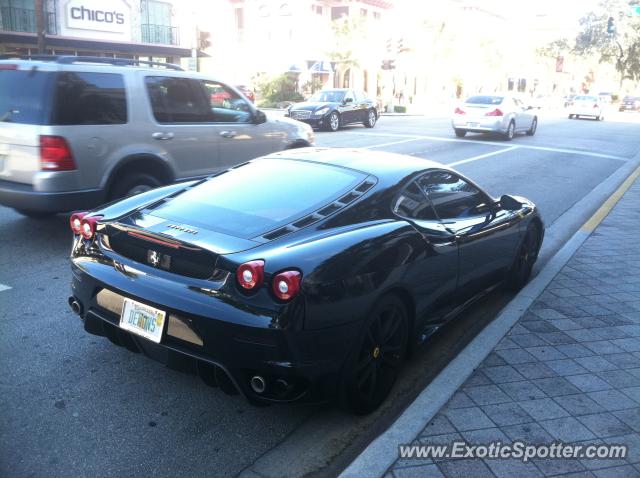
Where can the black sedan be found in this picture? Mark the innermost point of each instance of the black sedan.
(304, 275)
(331, 109)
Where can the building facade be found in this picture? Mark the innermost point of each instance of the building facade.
(137, 29)
(271, 37)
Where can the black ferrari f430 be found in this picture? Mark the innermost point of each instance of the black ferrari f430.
(305, 275)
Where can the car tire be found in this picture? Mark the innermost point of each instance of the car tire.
(132, 184)
(460, 133)
(525, 259)
(333, 122)
(372, 117)
(570, 116)
(601, 117)
(534, 127)
(511, 131)
(377, 357)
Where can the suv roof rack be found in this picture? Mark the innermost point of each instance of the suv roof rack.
(70, 59)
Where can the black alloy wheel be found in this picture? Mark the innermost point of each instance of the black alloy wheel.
(524, 261)
(333, 123)
(371, 119)
(373, 368)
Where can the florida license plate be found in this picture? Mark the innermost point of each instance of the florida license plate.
(142, 320)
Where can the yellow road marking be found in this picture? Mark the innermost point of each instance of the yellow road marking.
(608, 205)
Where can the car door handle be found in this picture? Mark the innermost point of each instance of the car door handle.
(228, 134)
(162, 136)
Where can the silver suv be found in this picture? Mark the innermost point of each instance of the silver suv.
(76, 132)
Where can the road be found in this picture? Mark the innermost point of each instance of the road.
(75, 405)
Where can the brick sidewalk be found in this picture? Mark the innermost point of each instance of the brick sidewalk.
(568, 370)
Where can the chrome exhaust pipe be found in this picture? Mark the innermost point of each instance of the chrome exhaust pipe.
(258, 384)
(75, 305)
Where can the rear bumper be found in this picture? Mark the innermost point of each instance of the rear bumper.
(25, 198)
(480, 125)
(595, 112)
(217, 337)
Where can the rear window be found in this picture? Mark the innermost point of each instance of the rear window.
(485, 100)
(89, 98)
(260, 196)
(23, 96)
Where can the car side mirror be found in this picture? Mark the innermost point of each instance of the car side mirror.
(510, 203)
(259, 117)
(347, 101)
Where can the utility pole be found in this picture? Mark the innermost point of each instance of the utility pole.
(40, 25)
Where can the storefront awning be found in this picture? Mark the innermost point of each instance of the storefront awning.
(321, 67)
(144, 49)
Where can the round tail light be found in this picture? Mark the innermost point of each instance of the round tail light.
(286, 285)
(250, 274)
(76, 222)
(88, 227)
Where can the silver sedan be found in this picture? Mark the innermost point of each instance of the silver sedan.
(502, 114)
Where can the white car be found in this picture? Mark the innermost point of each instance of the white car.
(502, 114)
(586, 105)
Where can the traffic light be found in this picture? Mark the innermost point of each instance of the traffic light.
(388, 65)
(204, 40)
(389, 45)
(400, 45)
(611, 27)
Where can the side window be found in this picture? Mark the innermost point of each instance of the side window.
(89, 98)
(413, 204)
(348, 95)
(226, 105)
(452, 197)
(178, 100)
(359, 96)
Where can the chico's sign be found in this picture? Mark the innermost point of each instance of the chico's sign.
(99, 16)
(104, 19)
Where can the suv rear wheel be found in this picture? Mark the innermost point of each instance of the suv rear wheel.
(132, 184)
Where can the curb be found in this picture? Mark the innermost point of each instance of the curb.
(381, 453)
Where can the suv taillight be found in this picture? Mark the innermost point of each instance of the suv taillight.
(55, 154)
(459, 111)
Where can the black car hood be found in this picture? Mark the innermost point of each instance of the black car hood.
(313, 105)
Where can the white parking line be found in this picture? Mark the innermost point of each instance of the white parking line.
(481, 156)
(391, 143)
(489, 143)
(4, 287)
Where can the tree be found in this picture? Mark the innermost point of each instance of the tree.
(555, 48)
(620, 48)
(348, 36)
